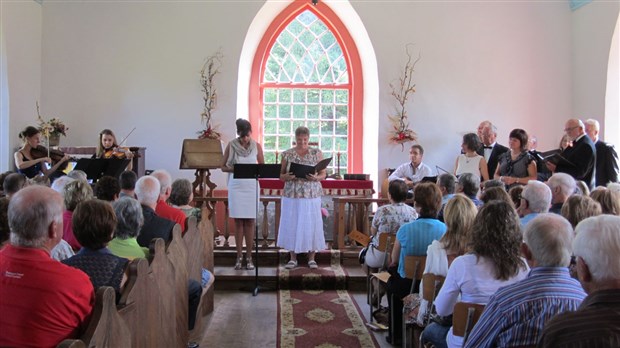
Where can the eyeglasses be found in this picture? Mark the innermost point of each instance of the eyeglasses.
(570, 129)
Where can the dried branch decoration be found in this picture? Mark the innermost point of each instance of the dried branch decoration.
(210, 69)
(403, 92)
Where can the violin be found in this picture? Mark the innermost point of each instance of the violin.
(120, 152)
(42, 152)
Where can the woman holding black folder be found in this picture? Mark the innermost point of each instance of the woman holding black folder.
(242, 199)
(301, 225)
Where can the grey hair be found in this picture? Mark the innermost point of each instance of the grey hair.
(470, 184)
(75, 192)
(78, 175)
(181, 192)
(31, 211)
(598, 244)
(59, 184)
(538, 196)
(594, 123)
(566, 183)
(164, 178)
(129, 218)
(147, 190)
(549, 237)
(448, 181)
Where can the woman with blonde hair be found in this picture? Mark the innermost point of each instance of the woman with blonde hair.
(579, 207)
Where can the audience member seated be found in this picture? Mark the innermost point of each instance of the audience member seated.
(608, 199)
(490, 149)
(492, 262)
(515, 196)
(516, 314)
(2, 177)
(578, 208)
(93, 225)
(59, 184)
(13, 183)
(496, 193)
(460, 215)
(5, 231)
(614, 186)
(469, 185)
(470, 161)
(163, 209)
(413, 239)
(596, 322)
(447, 186)
(535, 199)
(492, 183)
(127, 181)
(180, 197)
(562, 186)
(107, 188)
(129, 221)
(580, 158)
(516, 166)
(581, 188)
(147, 193)
(43, 301)
(74, 193)
(388, 219)
(77, 174)
(413, 171)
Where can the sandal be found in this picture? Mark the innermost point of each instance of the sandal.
(249, 266)
(238, 264)
(291, 264)
(312, 264)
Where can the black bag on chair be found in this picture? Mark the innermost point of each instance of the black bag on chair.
(362, 255)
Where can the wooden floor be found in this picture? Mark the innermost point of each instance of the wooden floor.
(242, 320)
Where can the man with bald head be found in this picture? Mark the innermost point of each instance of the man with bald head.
(596, 323)
(491, 150)
(42, 301)
(581, 156)
(516, 315)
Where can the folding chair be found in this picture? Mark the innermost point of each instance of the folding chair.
(414, 269)
(431, 284)
(386, 243)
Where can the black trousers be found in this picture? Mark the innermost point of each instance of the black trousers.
(194, 291)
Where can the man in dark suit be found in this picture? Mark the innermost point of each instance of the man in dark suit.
(491, 150)
(147, 193)
(606, 156)
(581, 157)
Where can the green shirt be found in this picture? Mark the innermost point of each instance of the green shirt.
(127, 248)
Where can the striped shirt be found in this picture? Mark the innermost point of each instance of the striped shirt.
(596, 323)
(516, 314)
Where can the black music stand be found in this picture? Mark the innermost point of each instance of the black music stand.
(256, 171)
(95, 168)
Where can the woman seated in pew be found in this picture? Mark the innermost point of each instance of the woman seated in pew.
(31, 161)
(74, 193)
(413, 239)
(470, 161)
(493, 261)
(459, 216)
(181, 196)
(94, 222)
(129, 221)
(388, 219)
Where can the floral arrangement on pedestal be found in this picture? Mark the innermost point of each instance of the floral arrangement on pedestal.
(403, 91)
(51, 129)
(209, 70)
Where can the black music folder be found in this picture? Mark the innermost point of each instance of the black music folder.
(559, 160)
(95, 168)
(301, 170)
(256, 171)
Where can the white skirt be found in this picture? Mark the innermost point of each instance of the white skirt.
(242, 199)
(301, 225)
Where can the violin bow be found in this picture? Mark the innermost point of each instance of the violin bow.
(125, 138)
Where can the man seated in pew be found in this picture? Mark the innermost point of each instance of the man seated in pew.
(163, 209)
(147, 193)
(413, 171)
(42, 301)
(447, 186)
(107, 188)
(128, 179)
(469, 185)
(93, 226)
(129, 221)
(517, 313)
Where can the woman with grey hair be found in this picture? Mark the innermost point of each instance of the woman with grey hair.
(180, 197)
(74, 193)
(129, 222)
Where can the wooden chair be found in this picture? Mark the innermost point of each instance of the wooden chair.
(464, 318)
(414, 269)
(431, 284)
(386, 244)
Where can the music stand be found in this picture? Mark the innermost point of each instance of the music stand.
(256, 171)
(95, 168)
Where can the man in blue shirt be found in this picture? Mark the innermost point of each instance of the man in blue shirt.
(516, 314)
(535, 199)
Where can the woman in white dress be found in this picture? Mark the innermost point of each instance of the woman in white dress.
(242, 196)
(470, 161)
(301, 225)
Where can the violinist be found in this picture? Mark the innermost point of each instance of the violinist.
(32, 158)
(108, 148)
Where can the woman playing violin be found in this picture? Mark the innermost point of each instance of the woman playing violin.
(108, 148)
(31, 158)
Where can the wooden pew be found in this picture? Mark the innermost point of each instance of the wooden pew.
(162, 271)
(177, 254)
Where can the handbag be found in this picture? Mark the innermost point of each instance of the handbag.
(362, 255)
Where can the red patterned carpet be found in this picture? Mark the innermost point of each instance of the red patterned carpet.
(319, 318)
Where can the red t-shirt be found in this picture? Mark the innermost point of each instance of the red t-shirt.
(42, 301)
(67, 229)
(170, 213)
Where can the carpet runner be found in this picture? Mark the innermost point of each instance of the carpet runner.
(319, 312)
